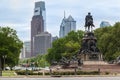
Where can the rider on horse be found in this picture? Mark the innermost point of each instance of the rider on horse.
(89, 21)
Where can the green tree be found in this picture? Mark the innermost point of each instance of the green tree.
(109, 41)
(38, 61)
(10, 46)
(66, 46)
(55, 53)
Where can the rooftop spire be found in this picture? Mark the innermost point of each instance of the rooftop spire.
(64, 14)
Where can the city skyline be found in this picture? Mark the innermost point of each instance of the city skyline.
(17, 14)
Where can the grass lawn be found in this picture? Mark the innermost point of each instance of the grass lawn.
(8, 73)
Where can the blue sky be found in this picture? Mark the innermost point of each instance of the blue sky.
(17, 14)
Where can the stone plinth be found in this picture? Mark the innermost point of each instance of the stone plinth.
(89, 50)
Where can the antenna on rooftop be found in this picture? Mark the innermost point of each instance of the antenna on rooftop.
(64, 14)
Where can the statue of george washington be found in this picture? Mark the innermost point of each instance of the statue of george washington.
(89, 22)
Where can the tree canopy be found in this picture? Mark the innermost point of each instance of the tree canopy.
(65, 47)
(10, 46)
(109, 41)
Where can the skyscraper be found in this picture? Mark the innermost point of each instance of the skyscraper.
(41, 43)
(104, 24)
(38, 22)
(40, 10)
(67, 25)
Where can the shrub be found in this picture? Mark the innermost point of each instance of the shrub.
(24, 72)
(107, 73)
(87, 73)
(40, 73)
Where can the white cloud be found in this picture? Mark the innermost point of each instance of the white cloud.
(15, 4)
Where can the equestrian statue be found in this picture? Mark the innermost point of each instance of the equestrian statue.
(88, 22)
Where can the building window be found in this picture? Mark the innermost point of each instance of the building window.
(36, 10)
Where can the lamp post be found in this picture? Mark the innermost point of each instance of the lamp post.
(26, 68)
(4, 56)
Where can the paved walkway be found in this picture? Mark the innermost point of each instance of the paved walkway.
(65, 78)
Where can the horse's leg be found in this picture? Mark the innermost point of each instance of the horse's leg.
(88, 28)
(91, 28)
(85, 28)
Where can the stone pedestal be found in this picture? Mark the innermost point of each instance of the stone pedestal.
(89, 50)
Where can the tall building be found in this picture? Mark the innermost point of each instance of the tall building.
(38, 22)
(67, 25)
(41, 43)
(40, 10)
(26, 50)
(104, 24)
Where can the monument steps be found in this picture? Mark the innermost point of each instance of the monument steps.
(95, 63)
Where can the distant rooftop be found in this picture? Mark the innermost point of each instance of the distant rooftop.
(104, 24)
(40, 4)
(70, 18)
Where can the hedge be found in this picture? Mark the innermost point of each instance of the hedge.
(24, 72)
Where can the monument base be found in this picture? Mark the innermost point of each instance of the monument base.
(95, 63)
(91, 57)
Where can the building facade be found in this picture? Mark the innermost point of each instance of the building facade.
(38, 22)
(67, 25)
(41, 43)
(104, 24)
(26, 50)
